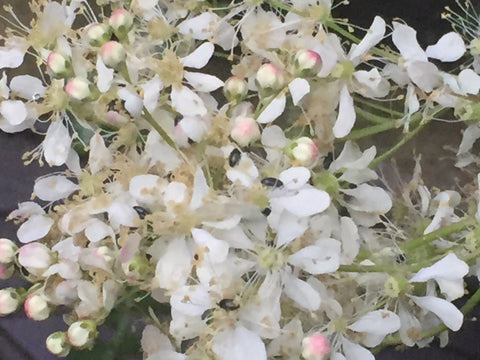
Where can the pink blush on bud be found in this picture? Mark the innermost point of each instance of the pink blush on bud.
(319, 344)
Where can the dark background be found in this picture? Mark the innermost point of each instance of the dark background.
(22, 339)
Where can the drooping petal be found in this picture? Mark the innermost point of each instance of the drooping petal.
(34, 228)
(369, 199)
(288, 226)
(373, 36)
(301, 292)
(298, 89)
(353, 351)
(200, 189)
(273, 110)
(53, 188)
(199, 57)
(202, 82)
(424, 74)
(318, 259)
(187, 103)
(105, 76)
(56, 145)
(99, 156)
(173, 268)
(446, 311)
(405, 39)
(346, 114)
(133, 102)
(151, 91)
(450, 47)
(97, 230)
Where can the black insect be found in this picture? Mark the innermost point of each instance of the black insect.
(206, 314)
(234, 157)
(141, 211)
(272, 182)
(327, 160)
(400, 258)
(186, 344)
(228, 304)
(266, 211)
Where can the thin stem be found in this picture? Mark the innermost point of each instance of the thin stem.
(377, 119)
(376, 106)
(412, 244)
(363, 268)
(161, 131)
(371, 130)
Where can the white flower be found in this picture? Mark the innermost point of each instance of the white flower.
(239, 343)
(376, 325)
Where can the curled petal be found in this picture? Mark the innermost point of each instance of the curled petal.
(346, 115)
(273, 110)
(446, 311)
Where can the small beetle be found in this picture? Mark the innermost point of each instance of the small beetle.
(228, 304)
(141, 211)
(234, 157)
(271, 181)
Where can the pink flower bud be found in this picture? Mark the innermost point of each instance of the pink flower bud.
(7, 251)
(57, 344)
(235, 89)
(112, 53)
(121, 22)
(98, 34)
(35, 257)
(316, 347)
(58, 64)
(270, 77)
(245, 130)
(307, 63)
(305, 151)
(9, 301)
(78, 88)
(81, 334)
(36, 307)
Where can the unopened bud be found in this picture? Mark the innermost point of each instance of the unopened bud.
(59, 65)
(245, 130)
(235, 89)
(7, 251)
(57, 344)
(304, 151)
(112, 53)
(136, 268)
(9, 301)
(81, 334)
(36, 307)
(35, 258)
(121, 22)
(270, 78)
(316, 347)
(78, 88)
(98, 34)
(307, 63)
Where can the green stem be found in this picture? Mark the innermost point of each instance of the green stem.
(377, 119)
(158, 128)
(364, 268)
(412, 244)
(394, 113)
(371, 130)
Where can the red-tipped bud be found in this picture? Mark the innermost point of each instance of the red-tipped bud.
(121, 22)
(270, 78)
(307, 63)
(98, 34)
(316, 347)
(112, 53)
(235, 89)
(245, 130)
(59, 65)
(78, 88)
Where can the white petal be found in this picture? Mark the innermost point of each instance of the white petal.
(450, 47)
(97, 230)
(301, 292)
(133, 102)
(146, 188)
(469, 81)
(273, 110)
(369, 198)
(316, 259)
(239, 344)
(200, 189)
(34, 228)
(187, 103)
(450, 267)
(405, 39)
(99, 156)
(199, 27)
(191, 300)
(173, 268)
(306, 203)
(352, 157)
(379, 322)
(105, 76)
(346, 114)
(14, 111)
(121, 213)
(273, 136)
(294, 177)
(10, 58)
(175, 191)
(151, 91)
(372, 83)
(288, 227)
(446, 311)
(354, 351)
(218, 249)
(53, 188)
(27, 87)
(373, 37)
(193, 127)
(202, 82)
(425, 75)
(56, 145)
(199, 57)
(298, 89)
(226, 224)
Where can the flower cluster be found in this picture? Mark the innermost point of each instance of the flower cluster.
(205, 159)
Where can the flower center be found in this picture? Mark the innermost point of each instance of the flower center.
(271, 258)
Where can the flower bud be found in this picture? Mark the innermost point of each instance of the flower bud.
(316, 347)
(270, 78)
(78, 88)
(112, 53)
(57, 344)
(35, 258)
(7, 251)
(235, 89)
(59, 65)
(121, 22)
(98, 34)
(307, 63)
(9, 301)
(245, 130)
(304, 151)
(81, 334)
(136, 268)
(36, 307)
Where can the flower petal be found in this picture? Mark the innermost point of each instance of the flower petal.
(14, 111)
(203, 82)
(273, 110)
(450, 47)
(10, 58)
(34, 228)
(199, 27)
(405, 39)
(446, 311)
(27, 87)
(53, 188)
(346, 114)
(373, 36)
(239, 344)
(298, 89)
(306, 203)
(318, 259)
(301, 292)
(56, 145)
(187, 103)
(353, 351)
(199, 57)
(294, 177)
(469, 81)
